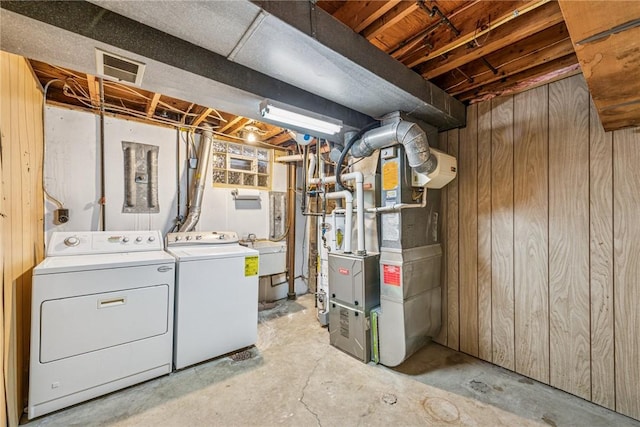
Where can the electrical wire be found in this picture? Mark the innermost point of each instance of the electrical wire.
(346, 149)
(70, 92)
(44, 144)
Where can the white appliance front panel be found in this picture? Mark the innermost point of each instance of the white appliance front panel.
(108, 319)
(63, 382)
(191, 253)
(216, 309)
(66, 243)
(66, 264)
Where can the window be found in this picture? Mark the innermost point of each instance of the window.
(240, 165)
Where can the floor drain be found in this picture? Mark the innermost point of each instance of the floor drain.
(389, 399)
(241, 355)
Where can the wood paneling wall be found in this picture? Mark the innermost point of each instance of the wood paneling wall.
(21, 221)
(542, 235)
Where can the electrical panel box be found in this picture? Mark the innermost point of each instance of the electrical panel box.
(354, 288)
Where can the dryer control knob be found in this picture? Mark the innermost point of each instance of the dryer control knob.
(198, 237)
(188, 237)
(72, 241)
(178, 238)
(138, 239)
(151, 238)
(125, 239)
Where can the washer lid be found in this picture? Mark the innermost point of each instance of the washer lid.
(64, 264)
(192, 253)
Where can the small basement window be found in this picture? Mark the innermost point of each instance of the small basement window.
(241, 165)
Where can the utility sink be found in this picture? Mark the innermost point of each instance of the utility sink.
(273, 255)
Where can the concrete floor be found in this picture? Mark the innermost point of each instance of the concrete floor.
(293, 377)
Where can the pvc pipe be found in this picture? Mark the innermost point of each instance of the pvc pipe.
(348, 197)
(291, 227)
(400, 206)
(312, 168)
(290, 158)
(359, 179)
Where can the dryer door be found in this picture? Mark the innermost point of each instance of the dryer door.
(82, 324)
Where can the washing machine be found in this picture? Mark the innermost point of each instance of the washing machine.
(101, 316)
(216, 309)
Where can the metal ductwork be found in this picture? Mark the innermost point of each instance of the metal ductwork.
(199, 179)
(289, 51)
(409, 134)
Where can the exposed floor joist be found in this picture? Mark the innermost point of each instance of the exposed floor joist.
(152, 104)
(502, 37)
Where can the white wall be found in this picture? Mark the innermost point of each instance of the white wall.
(116, 131)
(71, 168)
(72, 175)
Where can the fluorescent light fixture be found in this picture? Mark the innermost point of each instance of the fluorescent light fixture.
(299, 118)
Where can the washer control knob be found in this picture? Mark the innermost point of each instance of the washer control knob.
(178, 238)
(125, 239)
(188, 237)
(72, 241)
(221, 237)
(138, 239)
(151, 238)
(198, 237)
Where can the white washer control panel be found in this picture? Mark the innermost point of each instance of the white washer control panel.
(201, 238)
(103, 242)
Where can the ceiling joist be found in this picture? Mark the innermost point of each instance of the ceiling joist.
(496, 14)
(502, 37)
(359, 15)
(535, 50)
(94, 91)
(201, 117)
(391, 18)
(152, 104)
(528, 79)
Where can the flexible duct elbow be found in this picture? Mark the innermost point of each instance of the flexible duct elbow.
(416, 146)
(409, 134)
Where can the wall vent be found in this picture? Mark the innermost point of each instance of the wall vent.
(116, 67)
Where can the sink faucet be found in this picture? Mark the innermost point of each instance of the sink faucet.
(251, 237)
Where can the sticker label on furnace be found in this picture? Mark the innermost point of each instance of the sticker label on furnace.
(251, 266)
(391, 275)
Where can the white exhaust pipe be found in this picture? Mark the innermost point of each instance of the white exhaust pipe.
(359, 179)
(348, 215)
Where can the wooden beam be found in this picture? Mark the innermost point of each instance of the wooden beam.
(408, 45)
(536, 50)
(271, 132)
(231, 123)
(536, 76)
(200, 117)
(94, 91)
(152, 104)
(499, 13)
(389, 19)
(537, 20)
(535, 59)
(588, 18)
(359, 15)
(608, 47)
(281, 138)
